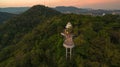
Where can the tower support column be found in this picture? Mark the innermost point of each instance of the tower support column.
(70, 52)
(66, 53)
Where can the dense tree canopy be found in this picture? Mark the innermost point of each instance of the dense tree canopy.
(33, 39)
(4, 16)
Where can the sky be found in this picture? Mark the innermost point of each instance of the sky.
(95, 4)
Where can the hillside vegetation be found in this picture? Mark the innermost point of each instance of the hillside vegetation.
(33, 39)
(5, 16)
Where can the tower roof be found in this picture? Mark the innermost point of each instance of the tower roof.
(69, 25)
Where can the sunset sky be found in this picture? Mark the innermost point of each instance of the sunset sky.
(104, 4)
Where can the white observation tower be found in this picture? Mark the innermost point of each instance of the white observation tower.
(68, 42)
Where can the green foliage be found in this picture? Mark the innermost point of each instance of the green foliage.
(33, 40)
(5, 16)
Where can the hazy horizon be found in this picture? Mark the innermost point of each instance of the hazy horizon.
(95, 4)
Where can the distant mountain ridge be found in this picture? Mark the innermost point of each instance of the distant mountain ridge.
(76, 10)
(14, 10)
(69, 9)
(64, 9)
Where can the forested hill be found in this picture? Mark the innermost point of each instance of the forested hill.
(5, 16)
(25, 22)
(32, 39)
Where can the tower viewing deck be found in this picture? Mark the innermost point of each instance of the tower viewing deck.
(68, 42)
